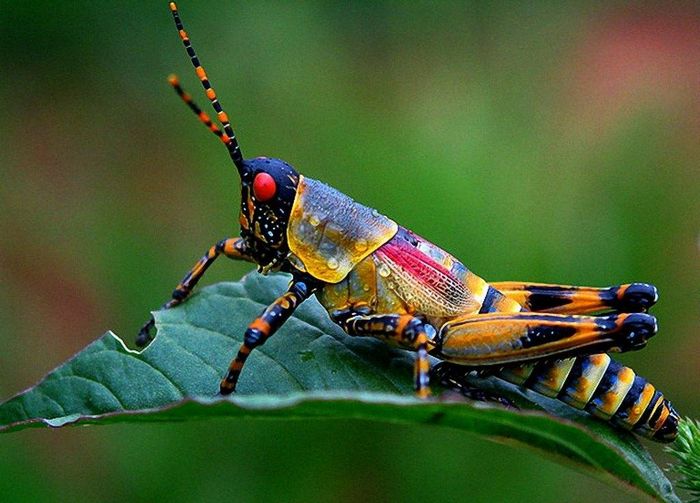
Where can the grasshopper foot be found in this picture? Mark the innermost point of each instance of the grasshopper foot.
(144, 336)
(454, 379)
(638, 328)
(637, 297)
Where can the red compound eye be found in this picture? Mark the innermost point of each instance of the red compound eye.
(264, 187)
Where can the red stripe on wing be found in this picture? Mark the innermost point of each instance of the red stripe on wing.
(424, 269)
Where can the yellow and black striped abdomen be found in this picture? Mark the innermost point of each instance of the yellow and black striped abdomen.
(604, 388)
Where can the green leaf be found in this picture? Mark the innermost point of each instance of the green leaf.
(310, 369)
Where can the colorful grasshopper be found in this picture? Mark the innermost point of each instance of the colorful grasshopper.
(376, 278)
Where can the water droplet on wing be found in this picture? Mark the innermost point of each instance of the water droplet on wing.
(361, 245)
(384, 270)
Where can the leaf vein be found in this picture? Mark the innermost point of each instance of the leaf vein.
(76, 376)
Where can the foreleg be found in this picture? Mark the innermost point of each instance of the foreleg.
(233, 248)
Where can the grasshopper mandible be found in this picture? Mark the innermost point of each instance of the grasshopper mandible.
(376, 278)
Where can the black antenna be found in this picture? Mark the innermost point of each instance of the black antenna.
(229, 137)
(202, 116)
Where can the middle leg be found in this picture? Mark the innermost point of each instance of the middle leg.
(263, 327)
(404, 329)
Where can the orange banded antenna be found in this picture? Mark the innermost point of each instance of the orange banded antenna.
(229, 137)
(202, 116)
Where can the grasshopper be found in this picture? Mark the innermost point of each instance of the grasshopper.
(376, 278)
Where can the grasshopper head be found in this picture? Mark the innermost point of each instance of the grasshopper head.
(268, 188)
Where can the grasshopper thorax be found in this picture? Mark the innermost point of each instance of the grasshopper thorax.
(268, 189)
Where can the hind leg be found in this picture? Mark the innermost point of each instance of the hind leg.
(496, 339)
(456, 378)
(562, 299)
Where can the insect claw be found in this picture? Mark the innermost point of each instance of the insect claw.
(225, 390)
(144, 336)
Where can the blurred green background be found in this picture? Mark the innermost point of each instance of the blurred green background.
(555, 142)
